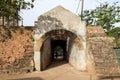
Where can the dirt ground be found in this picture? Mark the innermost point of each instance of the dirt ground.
(57, 71)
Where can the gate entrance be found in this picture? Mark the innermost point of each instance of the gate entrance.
(57, 37)
(56, 47)
(60, 45)
(53, 51)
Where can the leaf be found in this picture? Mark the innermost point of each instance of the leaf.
(32, 0)
(9, 8)
(105, 15)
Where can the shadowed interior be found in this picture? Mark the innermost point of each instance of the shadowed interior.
(57, 47)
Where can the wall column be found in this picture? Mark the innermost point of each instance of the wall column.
(37, 60)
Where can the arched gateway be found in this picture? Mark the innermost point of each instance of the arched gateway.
(60, 27)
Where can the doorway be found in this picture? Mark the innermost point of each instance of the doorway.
(57, 46)
(53, 51)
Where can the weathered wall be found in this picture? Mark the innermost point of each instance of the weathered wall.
(46, 54)
(16, 50)
(56, 20)
(101, 56)
(95, 31)
(76, 56)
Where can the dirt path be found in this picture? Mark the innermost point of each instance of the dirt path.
(57, 71)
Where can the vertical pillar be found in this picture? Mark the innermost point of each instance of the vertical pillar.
(37, 61)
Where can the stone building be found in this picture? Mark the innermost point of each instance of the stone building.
(85, 48)
(60, 25)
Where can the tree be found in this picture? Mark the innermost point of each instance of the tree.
(10, 8)
(115, 32)
(105, 15)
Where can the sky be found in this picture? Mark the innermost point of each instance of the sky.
(42, 6)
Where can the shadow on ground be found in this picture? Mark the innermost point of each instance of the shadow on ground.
(56, 63)
(110, 77)
(33, 78)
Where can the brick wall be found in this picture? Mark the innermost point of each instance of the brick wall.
(16, 50)
(103, 58)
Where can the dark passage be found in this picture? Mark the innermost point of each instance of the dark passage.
(58, 49)
(58, 53)
(53, 52)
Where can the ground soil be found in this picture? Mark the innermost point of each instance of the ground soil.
(56, 71)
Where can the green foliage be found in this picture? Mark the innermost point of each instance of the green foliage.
(115, 32)
(105, 15)
(58, 48)
(10, 8)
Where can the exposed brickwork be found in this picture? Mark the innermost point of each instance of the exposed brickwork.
(95, 31)
(105, 62)
(16, 50)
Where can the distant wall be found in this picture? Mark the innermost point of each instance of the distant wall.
(101, 56)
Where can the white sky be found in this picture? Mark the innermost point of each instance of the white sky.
(42, 6)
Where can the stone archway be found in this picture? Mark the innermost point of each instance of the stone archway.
(73, 46)
(59, 27)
